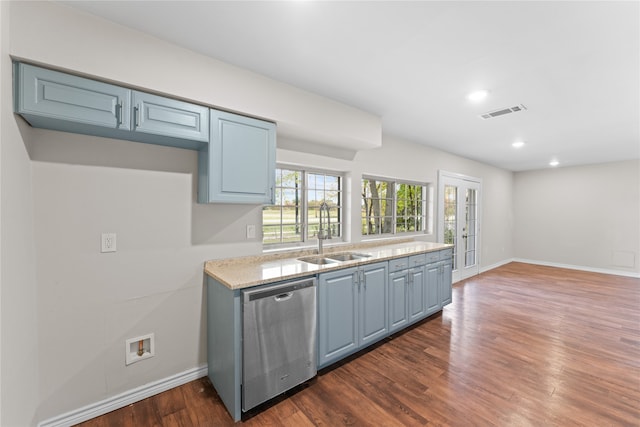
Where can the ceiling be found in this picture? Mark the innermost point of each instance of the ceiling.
(574, 65)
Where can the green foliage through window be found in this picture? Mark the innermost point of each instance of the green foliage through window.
(390, 207)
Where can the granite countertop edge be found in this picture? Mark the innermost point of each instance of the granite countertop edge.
(244, 272)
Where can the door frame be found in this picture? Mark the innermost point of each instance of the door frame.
(445, 175)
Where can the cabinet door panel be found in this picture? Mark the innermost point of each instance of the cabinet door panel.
(432, 291)
(445, 282)
(43, 95)
(158, 115)
(373, 303)
(337, 323)
(416, 294)
(398, 316)
(239, 164)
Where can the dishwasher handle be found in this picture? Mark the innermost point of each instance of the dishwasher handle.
(283, 297)
(281, 292)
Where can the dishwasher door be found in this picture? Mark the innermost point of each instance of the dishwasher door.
(278, 339)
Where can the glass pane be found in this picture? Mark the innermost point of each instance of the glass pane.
(409, 202)
(313, 199)
(271, 234)
(289, 178)
(332, 183)
(271, 215)
(470, 227)
(450, 218)
(291, 215)
(336, 229)
(335, 214)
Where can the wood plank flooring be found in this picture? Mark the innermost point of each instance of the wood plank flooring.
(521, 345)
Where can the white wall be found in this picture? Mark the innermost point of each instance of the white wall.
(19, 346)
(585, 216)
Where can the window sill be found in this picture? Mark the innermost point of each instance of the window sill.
(304, 247)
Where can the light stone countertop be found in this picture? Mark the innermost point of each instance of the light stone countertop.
(244, 272)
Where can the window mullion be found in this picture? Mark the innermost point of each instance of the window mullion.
(303, 205)
(394, 210)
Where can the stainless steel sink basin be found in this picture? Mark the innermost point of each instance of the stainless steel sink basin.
(347, 256)
(319, 260)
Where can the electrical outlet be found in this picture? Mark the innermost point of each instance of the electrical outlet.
(108, 242)
(251, 231)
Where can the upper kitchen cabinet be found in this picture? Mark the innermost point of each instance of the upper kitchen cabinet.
(238, 165)
(169, 118)
(60, 101)
(65, 102)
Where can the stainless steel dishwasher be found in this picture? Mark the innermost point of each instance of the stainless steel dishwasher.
(278, 339)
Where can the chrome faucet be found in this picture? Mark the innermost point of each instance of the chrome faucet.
(322, 233)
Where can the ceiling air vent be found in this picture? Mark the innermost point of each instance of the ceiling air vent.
(502, 112)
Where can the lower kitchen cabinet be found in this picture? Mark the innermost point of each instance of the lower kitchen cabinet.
(416, 296)
(432, 278)
(352, 310)
(446, 290)
(408, 291)
(355, 308)
(398, 294)
(224, 344)
(438, 278)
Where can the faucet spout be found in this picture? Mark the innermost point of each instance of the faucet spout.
(324, 234)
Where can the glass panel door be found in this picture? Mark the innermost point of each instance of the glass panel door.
(470, 230)
(451, 218)
(458, 221)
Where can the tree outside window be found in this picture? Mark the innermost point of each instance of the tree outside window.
(390, 207)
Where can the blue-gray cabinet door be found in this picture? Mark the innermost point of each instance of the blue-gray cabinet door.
(48, 99)
(398, 288)
(373, 303)
(158, 115)
(432, 291)
(446, 291)
(416, 295)
(337, 315)
(239, 164)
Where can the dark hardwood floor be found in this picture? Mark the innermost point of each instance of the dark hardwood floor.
(521, 345)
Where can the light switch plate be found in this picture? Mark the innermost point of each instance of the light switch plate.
(251, 231)
(108, 242)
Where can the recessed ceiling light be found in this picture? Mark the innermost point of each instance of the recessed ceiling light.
(518, 144)
(478, 95)
(554, 163)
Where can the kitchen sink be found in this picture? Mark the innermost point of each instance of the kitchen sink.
(319, 260)
(347, 256)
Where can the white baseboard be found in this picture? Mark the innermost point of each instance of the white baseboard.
(496, 265)
(123, 399)
(555, 264)
(579, 267)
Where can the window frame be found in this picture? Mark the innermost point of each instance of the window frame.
(304, 206)
(425, 200)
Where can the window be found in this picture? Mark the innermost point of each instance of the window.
(392, 207)
(294, 218)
